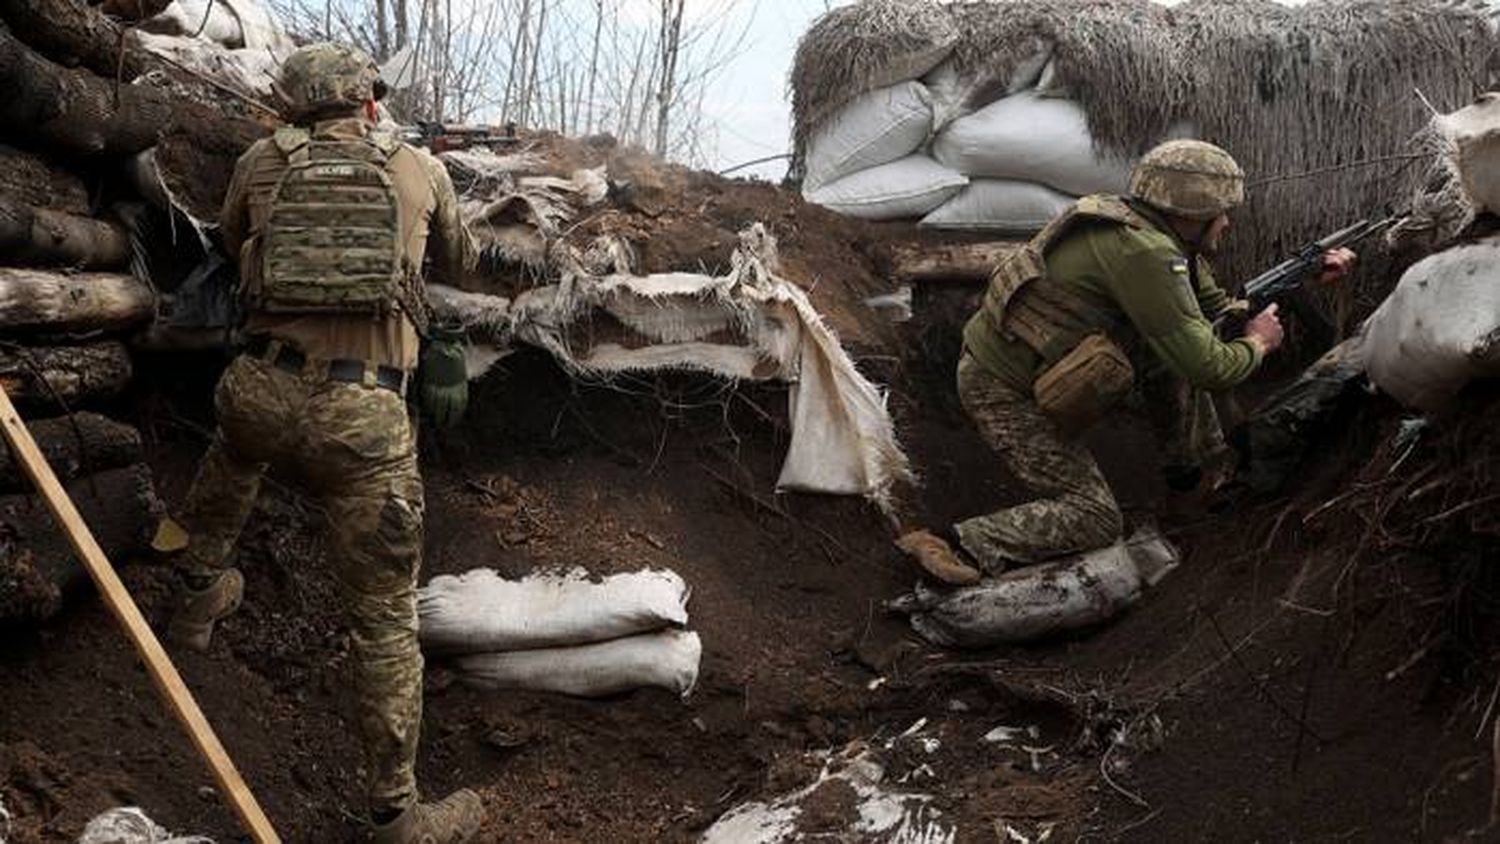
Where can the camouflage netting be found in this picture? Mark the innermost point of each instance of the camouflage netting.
(1287, 90)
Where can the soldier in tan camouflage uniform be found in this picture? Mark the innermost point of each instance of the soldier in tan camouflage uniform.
(331, 221)
(1115, 293)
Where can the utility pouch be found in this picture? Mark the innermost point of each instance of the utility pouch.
(1075, 391)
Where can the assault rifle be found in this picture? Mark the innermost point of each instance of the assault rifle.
(441, 137)
(1284, 282)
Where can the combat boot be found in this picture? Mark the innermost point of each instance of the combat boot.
(937, 558)
(452, 820)
(198, 610)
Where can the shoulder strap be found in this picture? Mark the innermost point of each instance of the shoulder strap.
(292, 141)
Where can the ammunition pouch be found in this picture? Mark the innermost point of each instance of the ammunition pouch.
(1083, 384)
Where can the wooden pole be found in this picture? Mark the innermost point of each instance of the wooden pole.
(158, 664)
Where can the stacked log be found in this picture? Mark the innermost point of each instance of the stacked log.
(81, 105)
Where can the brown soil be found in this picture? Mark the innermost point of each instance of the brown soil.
(1277, 686)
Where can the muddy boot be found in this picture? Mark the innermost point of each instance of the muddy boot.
(938, 558)
(192, 624)
(452, 820)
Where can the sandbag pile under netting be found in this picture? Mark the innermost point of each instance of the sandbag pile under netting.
(995, 115)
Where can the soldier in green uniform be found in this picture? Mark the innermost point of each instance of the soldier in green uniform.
(1115, 294)
(331, 221)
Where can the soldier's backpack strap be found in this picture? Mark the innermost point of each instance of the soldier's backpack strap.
(293, 142)
(1051, 316)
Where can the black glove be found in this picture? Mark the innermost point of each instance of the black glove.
(445, 377)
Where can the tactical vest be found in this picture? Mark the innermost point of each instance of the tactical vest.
(332, 242)
(1022, 302)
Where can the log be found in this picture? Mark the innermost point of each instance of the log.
(41, 237)
(78, 113)
(35, 301)
(74, 33)
(915, 263)
(37, 566)
(40, 183)
(76, 445)
(39, 375)
(134, 10)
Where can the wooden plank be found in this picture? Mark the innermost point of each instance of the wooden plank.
(168, 682)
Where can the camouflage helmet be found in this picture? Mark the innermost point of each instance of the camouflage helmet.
(326, 77)
(1191, 179)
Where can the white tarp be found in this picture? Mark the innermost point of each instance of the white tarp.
(1440, 327)
(480, 611)
(750, 324)
(881, 812)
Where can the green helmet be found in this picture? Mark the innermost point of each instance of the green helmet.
(1191, 179)
(326, 77)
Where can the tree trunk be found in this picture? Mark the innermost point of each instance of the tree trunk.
(76, 445)
(35, 181)
(947, 261)
(41, 301)
(37, 565)
(73, 33)
(40, 375)
(75, 111)
(39, 237)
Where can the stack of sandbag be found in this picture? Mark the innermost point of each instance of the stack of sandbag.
(563, 632)
(1440, 328)
(947, 146)
(100, 463)
(1040, 601)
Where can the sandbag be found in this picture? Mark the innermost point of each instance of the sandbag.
(479, 611)
(665, 659)
(1039, 601)
(907, 187)
(955, 94)
(876, 128)
(1474, 132)
(1440, 327)
(1032, 138)
(1000, 205)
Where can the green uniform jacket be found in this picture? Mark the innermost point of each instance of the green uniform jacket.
(1138, 277)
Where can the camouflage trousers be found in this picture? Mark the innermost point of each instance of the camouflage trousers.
(1074, 510)
(352, 448)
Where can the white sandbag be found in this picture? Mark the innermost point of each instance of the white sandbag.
(908, 187)
(665, 659)
(1440, 327)
(479, 611)
(1000, 205)
(1042, 600)
(1031, 138)
(1474, 132)
(955, 94)
(876, 128)
(129, 825)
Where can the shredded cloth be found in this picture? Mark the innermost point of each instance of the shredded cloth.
(750, 324)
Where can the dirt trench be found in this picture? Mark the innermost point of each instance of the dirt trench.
(1238, 702)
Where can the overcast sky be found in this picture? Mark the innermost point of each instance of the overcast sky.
(752, 114)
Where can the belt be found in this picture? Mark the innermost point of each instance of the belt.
(289, 358)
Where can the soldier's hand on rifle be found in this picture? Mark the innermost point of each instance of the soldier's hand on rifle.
(1265, 330)
(1337, 264)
